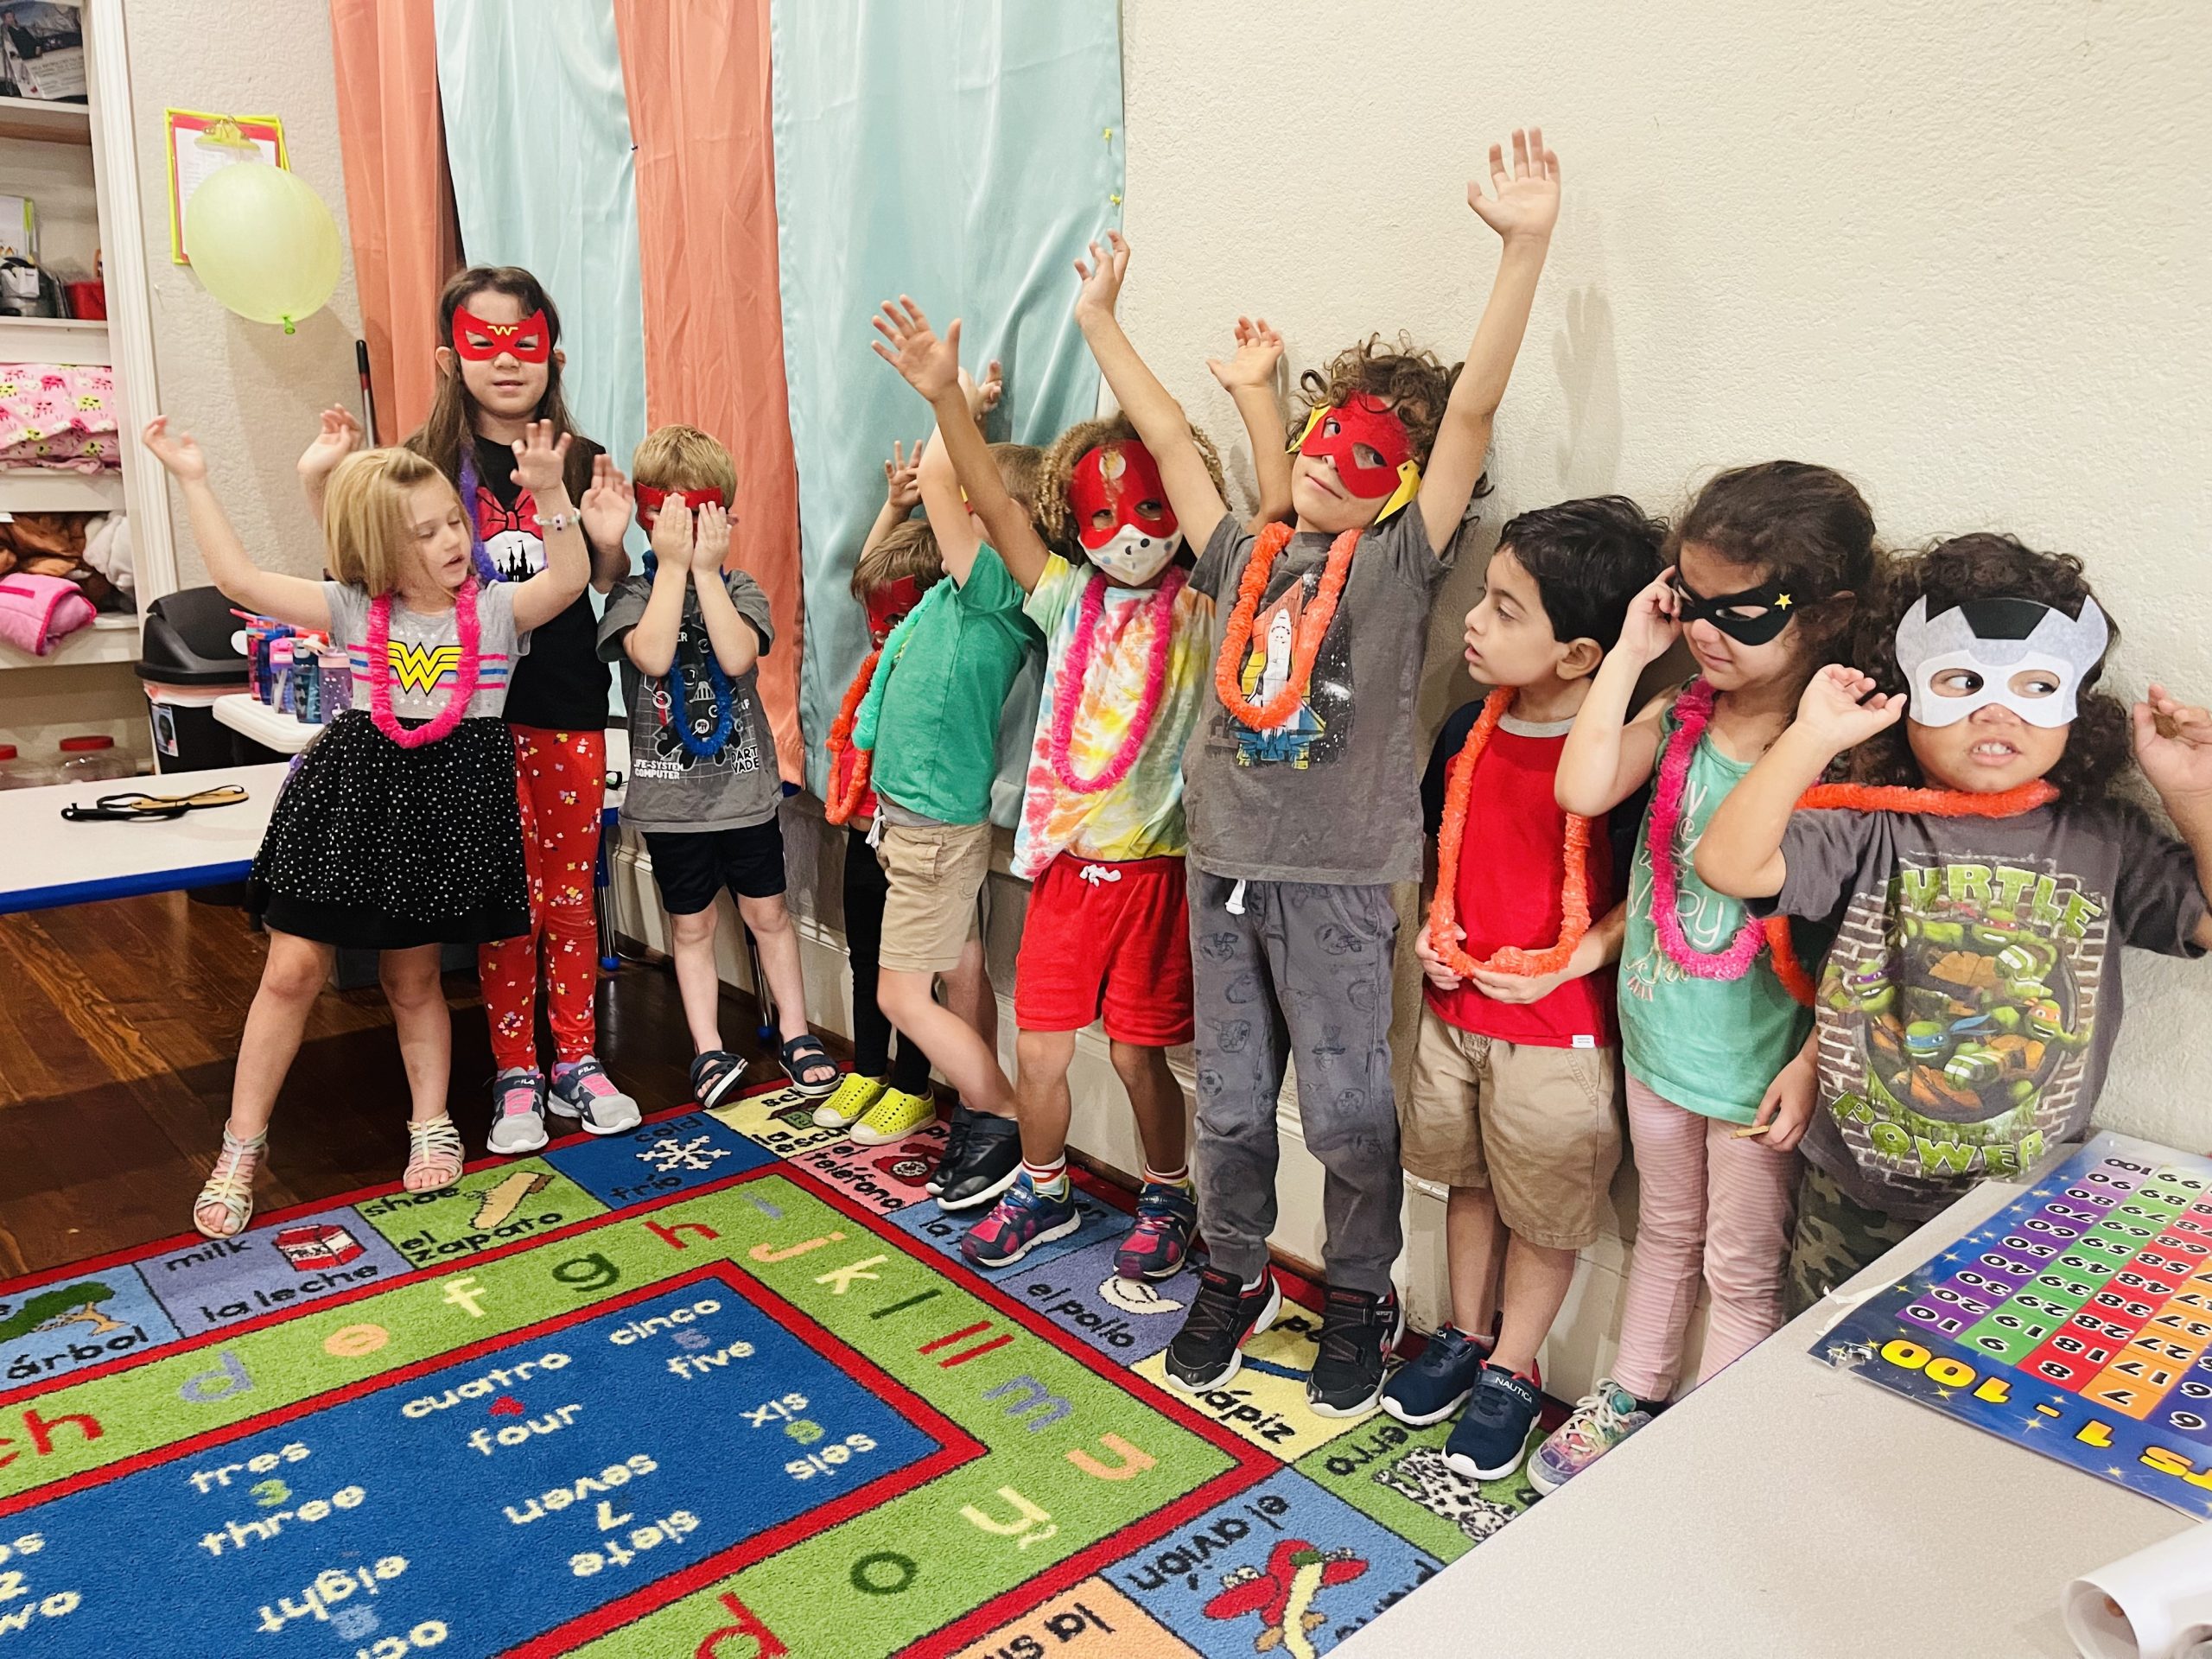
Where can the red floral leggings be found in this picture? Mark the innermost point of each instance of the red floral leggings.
(562, 778)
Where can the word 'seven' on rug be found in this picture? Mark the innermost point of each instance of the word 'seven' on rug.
(720, 1388)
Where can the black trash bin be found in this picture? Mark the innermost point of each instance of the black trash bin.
(187, 660)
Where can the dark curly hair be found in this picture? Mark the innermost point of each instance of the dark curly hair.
(1807, 525)
(1055, 522)
(1589, 559)
(1412, 382)
(1986, 564)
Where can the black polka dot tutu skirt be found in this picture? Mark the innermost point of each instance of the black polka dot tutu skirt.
(382, 849)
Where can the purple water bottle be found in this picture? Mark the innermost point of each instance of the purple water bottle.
(337, 676)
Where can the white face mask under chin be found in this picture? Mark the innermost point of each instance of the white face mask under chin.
(1133, 556)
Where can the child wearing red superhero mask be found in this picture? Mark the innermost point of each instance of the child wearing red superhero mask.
(1102, 834)
(498, 369)
(1302, 785)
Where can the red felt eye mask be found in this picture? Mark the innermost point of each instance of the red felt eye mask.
(888, 604)
(1361, 420)
(529, 341)
(1122, 479)
(650, 499)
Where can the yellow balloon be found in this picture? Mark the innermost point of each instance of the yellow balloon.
(262, 243)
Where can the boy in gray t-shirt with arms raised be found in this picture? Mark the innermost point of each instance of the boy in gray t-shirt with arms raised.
(703, 786)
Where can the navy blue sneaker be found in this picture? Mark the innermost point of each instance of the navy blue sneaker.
(1430, 1389)
(1493, 1437)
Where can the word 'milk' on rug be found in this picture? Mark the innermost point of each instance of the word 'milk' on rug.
(719, 1387)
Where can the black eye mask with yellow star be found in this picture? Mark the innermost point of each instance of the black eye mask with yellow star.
(1750, 618)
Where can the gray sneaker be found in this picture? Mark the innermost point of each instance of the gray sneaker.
(582, 1090)
(517, 1111)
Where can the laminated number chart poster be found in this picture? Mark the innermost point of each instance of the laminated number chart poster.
(2077, 1321)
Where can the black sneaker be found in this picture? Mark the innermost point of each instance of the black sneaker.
(1224, 1316)
(714, 1074)
(989, 1158)
(956, 1140)
(1357, 1332)
(1492, 1436)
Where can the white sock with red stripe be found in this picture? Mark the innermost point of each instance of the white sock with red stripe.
(1179, 1176)
(1051, 1180)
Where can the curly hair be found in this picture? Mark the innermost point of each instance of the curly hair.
(1807, 525)
(1055, 522)
(2098, 747)
(908, 549)
(1412, 382)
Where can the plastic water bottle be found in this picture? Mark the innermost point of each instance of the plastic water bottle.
(337, 675)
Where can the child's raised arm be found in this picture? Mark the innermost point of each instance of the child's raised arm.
(2173, 745)
(340, 436)
(607, 504)
(541, 460)
(1159, 419)
(1248, 378)
(1607, 756)
(902, 493)
(1740, 852)
(957, 458)
(1523, 211)
(288, 599)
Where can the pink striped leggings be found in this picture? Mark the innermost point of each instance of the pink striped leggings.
(1713, 1207)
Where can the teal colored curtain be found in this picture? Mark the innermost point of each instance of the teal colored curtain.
(537, 138)
(962, 151)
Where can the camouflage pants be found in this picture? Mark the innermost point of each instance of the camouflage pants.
(1836, 1237)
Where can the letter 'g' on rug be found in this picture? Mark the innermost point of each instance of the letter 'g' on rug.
(720, 1388)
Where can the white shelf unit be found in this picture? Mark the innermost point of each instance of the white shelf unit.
(108, 639)
(46, 123)
(54, 340)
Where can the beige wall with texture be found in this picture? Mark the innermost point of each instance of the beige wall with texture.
(1962, 252)
(248, 391)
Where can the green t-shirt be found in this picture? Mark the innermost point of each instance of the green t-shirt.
(936, 734)
(1710, 1046)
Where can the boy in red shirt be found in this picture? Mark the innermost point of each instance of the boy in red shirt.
(1512, 1104)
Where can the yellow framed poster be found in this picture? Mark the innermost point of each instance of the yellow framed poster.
(200, 141)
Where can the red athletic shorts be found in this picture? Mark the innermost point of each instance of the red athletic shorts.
(1111, 938)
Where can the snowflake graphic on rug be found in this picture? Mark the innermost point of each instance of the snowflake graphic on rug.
(1284, 1594)
(667, 1155)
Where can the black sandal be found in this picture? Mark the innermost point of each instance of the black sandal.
(803, 1054)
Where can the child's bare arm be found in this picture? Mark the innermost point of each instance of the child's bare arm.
(902, 493)
(1607, 756)
(1249, 378)
(1596, 949)
(287, 599)
(1523, 211)
(2173, 745)
(340, 436)
(650, 646)
(1159, 419)
(606, 506)
(735, 646)
(541, 460)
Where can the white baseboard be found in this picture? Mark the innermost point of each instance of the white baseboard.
(1583, 1340)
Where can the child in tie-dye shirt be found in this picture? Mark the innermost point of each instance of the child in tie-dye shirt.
(1102, 838)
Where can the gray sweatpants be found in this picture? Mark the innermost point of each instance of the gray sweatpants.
(1304, 972)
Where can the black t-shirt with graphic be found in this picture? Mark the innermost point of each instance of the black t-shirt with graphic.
(561, 684)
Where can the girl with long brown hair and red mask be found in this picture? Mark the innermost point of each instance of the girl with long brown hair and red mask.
(499, 369)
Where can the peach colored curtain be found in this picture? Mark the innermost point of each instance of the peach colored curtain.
(699, 95)
(399, 195)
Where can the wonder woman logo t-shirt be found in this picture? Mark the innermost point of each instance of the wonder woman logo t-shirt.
(424, 653)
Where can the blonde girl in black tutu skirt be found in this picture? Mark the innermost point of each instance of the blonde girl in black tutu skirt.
(399, 830)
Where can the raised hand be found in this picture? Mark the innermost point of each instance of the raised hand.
(1259, 351)
(902, 477)
(982, 399)
(930, 364)
(709, 539)
(1102, 275)
(1653, 619)
(542, 461)
(1841, 707)
(1525, 203)
(2173, 745)
(179, 451)
(340, 436)
(606, 505)
(671, 534)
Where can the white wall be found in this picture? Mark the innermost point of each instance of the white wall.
(1962, 252)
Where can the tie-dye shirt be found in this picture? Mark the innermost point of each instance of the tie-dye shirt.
(1142, 816)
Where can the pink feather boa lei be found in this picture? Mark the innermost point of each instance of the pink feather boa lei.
(1075, 671)
(441, 725)
(1693, 712)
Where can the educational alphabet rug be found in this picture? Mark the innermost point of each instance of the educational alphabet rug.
(719, 1387)
(2077, 1321)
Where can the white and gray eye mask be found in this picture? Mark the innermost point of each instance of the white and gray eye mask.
(2029, 657)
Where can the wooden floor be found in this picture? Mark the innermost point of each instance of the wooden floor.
(118, 1025)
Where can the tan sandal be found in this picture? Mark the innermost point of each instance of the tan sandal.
(230, 1185)
(435, 1156)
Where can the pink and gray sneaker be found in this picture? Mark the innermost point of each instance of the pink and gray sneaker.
(1161, 1240)
(517, 1111)
(582, 1090)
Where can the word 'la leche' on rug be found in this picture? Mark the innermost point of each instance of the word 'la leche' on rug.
(721, 1386)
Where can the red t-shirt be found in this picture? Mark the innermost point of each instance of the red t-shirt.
(1511, 864)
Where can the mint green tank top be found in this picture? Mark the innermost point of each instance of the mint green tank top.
(1710, 1046)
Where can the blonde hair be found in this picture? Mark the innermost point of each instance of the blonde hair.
(684, 459)
(368, 533)
(909, 549)
(1021, 469)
